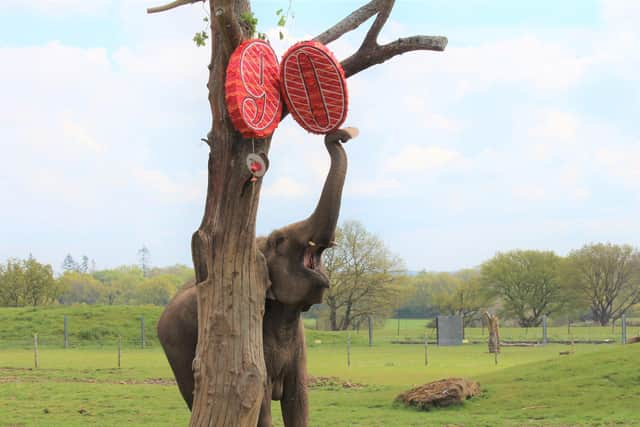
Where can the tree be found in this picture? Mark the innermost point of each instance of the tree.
(40, 286)
(79, 288)
(464, 297)
(84, 264)
(144, 257)
(361, 271)
(119, 284)
(226, 260)
(606, 277)
(12, 283)
(69, 264)
(527, 282)
(156, 290)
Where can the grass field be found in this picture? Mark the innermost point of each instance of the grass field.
(599, 385)
(96, 326)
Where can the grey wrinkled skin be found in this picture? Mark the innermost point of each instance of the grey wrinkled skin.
(294, 259)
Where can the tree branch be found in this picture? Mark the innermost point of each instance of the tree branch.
(172, 5)
(350, 23)
(370, 53)
(371, 39)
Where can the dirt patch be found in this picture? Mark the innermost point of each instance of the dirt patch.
(331, 382)
(5, 379)
(447, 392)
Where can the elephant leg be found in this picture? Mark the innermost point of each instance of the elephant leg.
(294, 403)
(265, 409)
(178, 334)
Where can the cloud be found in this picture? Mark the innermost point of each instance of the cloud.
(57, 7)
(430, 159)
(285, 187)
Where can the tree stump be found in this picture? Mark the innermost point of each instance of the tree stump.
(494, 332)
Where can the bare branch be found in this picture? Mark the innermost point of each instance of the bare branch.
(365, 58)
(172, 5)
(371, 39)
(351, 22)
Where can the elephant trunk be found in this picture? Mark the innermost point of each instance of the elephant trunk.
(324, 219)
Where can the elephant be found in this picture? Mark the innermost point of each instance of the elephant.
(294, 259)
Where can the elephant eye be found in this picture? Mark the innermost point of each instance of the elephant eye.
(279, 240)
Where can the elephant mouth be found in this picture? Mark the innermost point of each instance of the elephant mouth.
(312, 260)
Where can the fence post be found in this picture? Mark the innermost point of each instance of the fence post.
(142, 332)
(544, 329)
(398, 333)
(348, 350)
(370, 331)
(119, 347)
(35, 349)
(426, 350)
(624, 328)
(66, 332)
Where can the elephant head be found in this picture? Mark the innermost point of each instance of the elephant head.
(294, 253)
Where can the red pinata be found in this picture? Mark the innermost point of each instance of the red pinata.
(252, 89)
(314, 87)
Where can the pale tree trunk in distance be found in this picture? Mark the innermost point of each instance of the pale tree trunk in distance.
(494, 332)
(231, 274)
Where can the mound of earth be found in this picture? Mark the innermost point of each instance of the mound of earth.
(447, 392)
(320, 382)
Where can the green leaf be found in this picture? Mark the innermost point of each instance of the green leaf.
(282, 21)
(279, 12)
(281, 35)
(200, 38)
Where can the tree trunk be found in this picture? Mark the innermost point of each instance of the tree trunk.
(231, 275)
(333, 318)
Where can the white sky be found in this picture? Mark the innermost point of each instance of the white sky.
(522, 134)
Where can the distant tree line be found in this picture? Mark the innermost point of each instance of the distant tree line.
(598, 282)
(30, 283)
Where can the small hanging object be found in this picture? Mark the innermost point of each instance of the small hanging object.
(252, 89)
(257, 166)
(314, 87)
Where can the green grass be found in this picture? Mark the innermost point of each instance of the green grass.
(415, 329)
(88, 325)
(599, 385)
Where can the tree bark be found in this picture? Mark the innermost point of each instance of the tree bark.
(231, 275)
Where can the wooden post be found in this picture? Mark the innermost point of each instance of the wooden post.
(569, 328)
(348, 350)
(142, 332)
(426, 350)
(398, 333)
(66, 332)
(495, 357)
(544, 329)
(573, 350)
(370, 331)
(119, 349)
(623, 325)
(35, 349)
